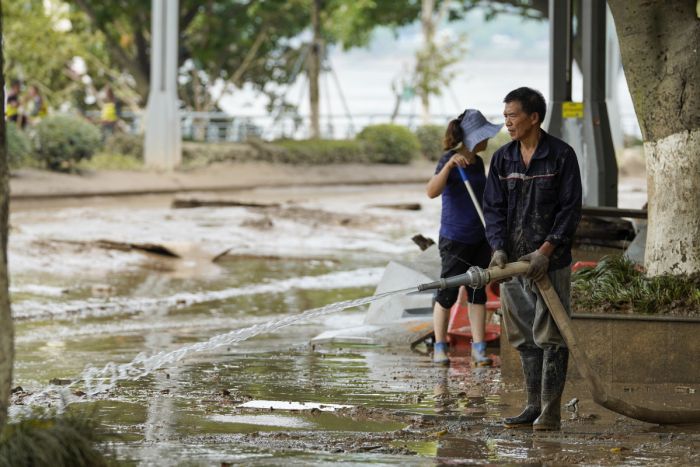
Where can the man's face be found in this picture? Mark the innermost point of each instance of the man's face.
(518, 123)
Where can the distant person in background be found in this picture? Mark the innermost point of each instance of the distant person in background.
(12, 107)
(462, 241)
(35, 106)
(110, 114)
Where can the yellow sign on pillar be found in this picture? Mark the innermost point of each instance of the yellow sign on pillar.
(572, 110)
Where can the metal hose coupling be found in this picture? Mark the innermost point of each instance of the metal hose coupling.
(475, 278)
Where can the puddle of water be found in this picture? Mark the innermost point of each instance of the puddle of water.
(30, 309)
(96, 380)
(100, 380)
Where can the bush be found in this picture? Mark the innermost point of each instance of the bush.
(317, 151)
(198, 154)
(430, 138)
(62, 140)
(268, 152)
(125, 144)
(312, 151)
(19, 147)
(390, 144)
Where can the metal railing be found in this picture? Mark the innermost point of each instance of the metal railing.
(222, 127)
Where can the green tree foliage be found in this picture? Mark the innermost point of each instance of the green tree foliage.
(227, 42)
(351, 23)
(433, 70)
(224, 44)
(41, 40)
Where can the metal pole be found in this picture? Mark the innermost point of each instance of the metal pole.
(162, 146)
(560, 44)
(561, 120)
(600, 170)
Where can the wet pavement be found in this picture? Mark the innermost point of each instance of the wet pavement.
(273, 398)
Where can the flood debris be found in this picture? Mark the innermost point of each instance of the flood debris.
(292, 406)
(154, 248)
(423, 242)
(263, 223)
(398, 206)
(187, 251)
(200, 200)
(60, 381)
(102, 290)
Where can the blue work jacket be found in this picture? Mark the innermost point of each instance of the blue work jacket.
(526, 206)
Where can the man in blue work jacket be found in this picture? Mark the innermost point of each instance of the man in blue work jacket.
(532, 206)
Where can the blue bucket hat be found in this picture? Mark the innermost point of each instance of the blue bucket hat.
(476, 128)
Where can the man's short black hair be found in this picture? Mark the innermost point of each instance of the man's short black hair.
(531, 101)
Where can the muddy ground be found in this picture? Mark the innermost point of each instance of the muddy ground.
(80, 303)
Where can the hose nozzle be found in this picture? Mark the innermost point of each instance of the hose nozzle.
(475, 278)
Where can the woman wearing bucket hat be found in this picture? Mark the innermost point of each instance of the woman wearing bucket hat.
(462, 239)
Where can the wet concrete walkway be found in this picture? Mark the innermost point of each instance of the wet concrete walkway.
(29, 183)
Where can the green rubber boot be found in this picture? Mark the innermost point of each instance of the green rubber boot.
(532, 371)
(553, 379)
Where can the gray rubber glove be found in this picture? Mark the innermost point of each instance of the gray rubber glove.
(539, 264)
(499, 258)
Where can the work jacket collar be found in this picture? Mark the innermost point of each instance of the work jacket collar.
(541, 152)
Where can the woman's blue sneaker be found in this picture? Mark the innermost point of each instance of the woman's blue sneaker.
(479, 354)
(440, 353)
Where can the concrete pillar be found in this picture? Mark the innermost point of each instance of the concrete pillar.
(600, 170)
(163, 142)
(585, 126)
(564, 118)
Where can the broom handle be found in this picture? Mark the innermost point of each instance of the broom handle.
(472, 195)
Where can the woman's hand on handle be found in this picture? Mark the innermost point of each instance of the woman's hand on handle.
(457, 160)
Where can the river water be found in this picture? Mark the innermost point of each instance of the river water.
(270, 399)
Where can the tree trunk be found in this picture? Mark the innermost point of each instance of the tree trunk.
(315, 70)
(659, 42)
(427, 21)
(7, 334)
